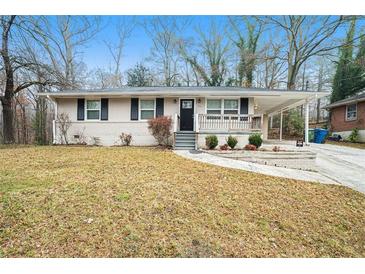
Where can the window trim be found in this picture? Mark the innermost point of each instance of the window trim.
(140, 108)
(346, 113)
(86, 109)
(222, 105)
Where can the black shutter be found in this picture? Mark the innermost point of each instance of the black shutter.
(159, 107)
(104, 109)
(80, 109)
(244, 106)
(134, 108)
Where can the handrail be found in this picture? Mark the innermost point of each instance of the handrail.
(228, 122)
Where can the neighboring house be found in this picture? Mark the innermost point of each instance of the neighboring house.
(196, 112)
(348, 114)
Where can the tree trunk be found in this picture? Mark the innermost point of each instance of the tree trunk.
(318, 110)
(8, 126)
(7, 99)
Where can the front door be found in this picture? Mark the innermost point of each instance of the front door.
(186, 114)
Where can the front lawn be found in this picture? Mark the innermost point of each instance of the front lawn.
(144, 202)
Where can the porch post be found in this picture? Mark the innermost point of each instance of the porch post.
(306, 122)
(281, 125)
(54, 121)
(196, 122)
(271, 121)
(175, 122)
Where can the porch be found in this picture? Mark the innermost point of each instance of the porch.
(221, 125)
(211, 123)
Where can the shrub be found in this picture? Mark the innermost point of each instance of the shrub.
(223, 147)
(354, 136)
(232, 141)
(250, 147)
(160, 128)
(211, 141)
(125, 139)
(255, 139)
(64, 124)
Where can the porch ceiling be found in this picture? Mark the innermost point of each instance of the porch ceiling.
(273, 104)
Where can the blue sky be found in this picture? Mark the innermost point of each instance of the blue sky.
(138, 46)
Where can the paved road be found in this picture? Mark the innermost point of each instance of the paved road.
(336, 165)
(344, 165)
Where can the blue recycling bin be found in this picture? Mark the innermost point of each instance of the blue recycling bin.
(319, 135)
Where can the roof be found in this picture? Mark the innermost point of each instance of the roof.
(178, 88)
(267, 101)
(359, 97)
(177, 91)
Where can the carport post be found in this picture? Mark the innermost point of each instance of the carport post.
(306, 122)
(281, 125)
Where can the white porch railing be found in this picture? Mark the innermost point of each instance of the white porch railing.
(229, 122)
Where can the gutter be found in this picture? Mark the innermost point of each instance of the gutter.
(183, 93)
(334, 105)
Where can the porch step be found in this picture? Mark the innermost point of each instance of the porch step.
(184, 140)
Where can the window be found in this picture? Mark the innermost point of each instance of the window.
(93, 109)
(351, 112)
(230, 106)
(187, 104)
(214, 106)
(147, 109)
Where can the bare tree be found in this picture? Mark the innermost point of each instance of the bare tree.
(163, 31)
(64, 42)
(306, 36)
(270, 66)
(247, 33)
(124, 30)
(210, 62)
(15, 63)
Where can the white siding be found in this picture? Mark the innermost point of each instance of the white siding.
(119, 121)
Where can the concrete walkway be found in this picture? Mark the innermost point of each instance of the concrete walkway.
(253, 167)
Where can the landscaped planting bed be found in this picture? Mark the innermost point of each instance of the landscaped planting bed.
(297, 159)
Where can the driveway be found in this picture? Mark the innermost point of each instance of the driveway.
(344, 165)
(336, 165)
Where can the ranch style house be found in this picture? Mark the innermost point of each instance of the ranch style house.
(196, 112)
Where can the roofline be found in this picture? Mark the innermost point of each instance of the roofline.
(344, 103)
(183, 92)
(161, 88)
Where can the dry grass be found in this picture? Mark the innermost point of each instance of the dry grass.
(347, 144)
(140, 202)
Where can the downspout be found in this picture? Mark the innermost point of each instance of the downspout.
(54, 120)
